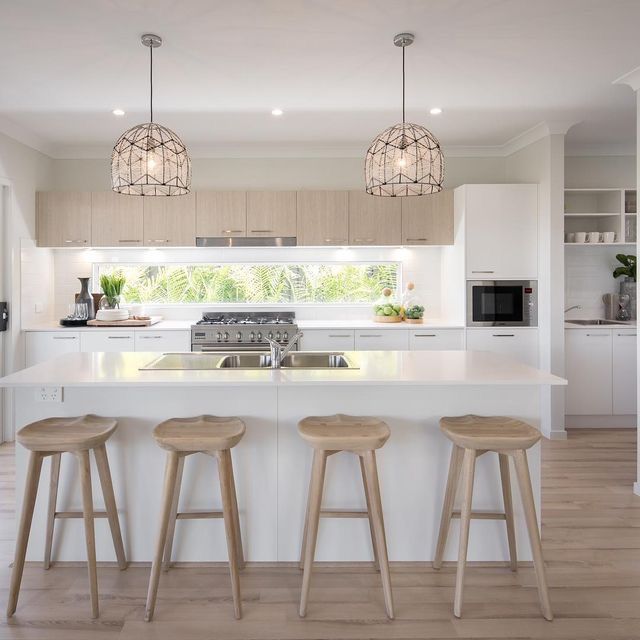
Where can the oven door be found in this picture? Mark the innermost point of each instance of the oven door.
(497, 303)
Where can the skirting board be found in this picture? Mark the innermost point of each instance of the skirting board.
(601, 422)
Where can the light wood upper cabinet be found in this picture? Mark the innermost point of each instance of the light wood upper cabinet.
(63, 218)
(323, 218)
(428, 219)
(221, 214)
(170, 221)
(374, 220)
(271, 214)
(116, 220)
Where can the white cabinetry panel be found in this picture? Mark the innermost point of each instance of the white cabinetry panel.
(589, 371)
(436, 339)
(625, 378)
(521, 344)
(44, 345)
(163, 340)
(382, 340)
(328, 340)
(107, 341)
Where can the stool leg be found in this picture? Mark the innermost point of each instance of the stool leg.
(371, 475)
(505, 477)
(170, 473)
(313, 517)
(524, 481)
(224, 471)
(367, 497)
(89, 533)
(468, 470)
(236, 515)
(102, 462)
(448, 504)
(28, 503)
(173, 516)
(51, 509)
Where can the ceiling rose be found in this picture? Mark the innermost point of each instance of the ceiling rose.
(149, 159)
(405, 159)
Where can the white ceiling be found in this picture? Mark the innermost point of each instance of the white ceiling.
(496, 67)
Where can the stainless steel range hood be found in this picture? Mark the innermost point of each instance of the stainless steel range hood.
(253, 241)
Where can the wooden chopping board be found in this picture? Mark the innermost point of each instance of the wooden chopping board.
(124, 323)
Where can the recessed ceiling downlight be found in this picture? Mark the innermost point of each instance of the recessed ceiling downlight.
(276, 112)
(435, 111)
(118, 112)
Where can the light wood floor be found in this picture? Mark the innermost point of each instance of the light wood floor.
(591, 538)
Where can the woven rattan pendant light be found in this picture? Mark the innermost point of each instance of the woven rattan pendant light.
(406, 159)
(149, 159)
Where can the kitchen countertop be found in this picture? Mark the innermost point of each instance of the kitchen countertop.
(442, 368)
(630, 324)
(177, 325)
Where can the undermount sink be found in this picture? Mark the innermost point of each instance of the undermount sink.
(300, 360)
(593, 322)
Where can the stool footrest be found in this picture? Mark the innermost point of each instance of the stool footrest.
(78, 514)
(199, 515)
(483, 515)
(343, 513)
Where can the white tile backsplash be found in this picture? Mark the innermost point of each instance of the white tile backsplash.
(422, 265)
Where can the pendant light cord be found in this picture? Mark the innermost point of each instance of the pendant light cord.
(151, 81)
(403, 48)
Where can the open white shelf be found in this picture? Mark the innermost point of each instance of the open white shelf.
(599, 244)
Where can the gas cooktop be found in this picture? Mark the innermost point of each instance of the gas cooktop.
(210, 318)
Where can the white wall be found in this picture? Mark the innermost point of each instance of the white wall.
(600, 171)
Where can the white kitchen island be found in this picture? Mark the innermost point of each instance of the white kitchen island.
(410, 390)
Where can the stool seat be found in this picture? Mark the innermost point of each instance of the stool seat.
(492, 433)
(66, 434)
(202, 433)
(340, 432)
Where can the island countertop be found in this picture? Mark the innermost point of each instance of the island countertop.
(428, 368)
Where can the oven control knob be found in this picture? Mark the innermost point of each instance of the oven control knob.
(285, 336)
(252, 336)
(270, 335)
(259, 336)
(226, 336)
(239, 336)
(278, 336)
(218, 336)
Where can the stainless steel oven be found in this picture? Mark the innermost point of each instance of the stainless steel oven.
(502, 303)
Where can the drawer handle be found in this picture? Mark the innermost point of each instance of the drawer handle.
(504, 335)
(418, 240)
(123, 241)
(361, 240)
(156, 241)
(425, 335)
(232, 231)
(597, 335)
(119, 337)
(150, 337)
(370, 335)
(339, 335)
(627, 335)
(64, 337)
(482, 272)
(261, 230)
(75, 241)
(335, 240)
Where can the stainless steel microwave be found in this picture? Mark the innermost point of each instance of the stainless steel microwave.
(502, 303)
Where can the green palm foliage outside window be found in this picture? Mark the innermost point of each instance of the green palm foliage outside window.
(255, 283)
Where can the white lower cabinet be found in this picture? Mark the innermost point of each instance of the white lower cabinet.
(163, 341)
(118, 340)
(44, 345)
(327, 340)
(382, 340)
(436, 339)
(588, 369)
(625, 376)
(521, 344)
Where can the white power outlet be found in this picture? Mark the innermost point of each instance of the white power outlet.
(49, 394)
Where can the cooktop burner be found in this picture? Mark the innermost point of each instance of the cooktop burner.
(211, 318)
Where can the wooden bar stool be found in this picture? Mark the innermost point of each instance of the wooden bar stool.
(53, 437)
(472, 436)
(362, 436)
(182, 437)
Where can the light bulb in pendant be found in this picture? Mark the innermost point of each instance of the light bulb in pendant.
(151, 162)
(402, 161)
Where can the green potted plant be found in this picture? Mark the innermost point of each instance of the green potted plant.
(112, 285)
(628, 285)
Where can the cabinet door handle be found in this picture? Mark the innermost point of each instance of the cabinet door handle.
(124, 241)
(261, 230)
(64, 337)
(232, 231)
(425, 335)
(339, 335)
(627, 335)
(370, 335)
(119, 337)
(75, 241)
(597, 335)
(150, 337)
(419, 240)
(482, 272)
(504, 335)
(337, 240)
(157, 241)
(361, 240)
